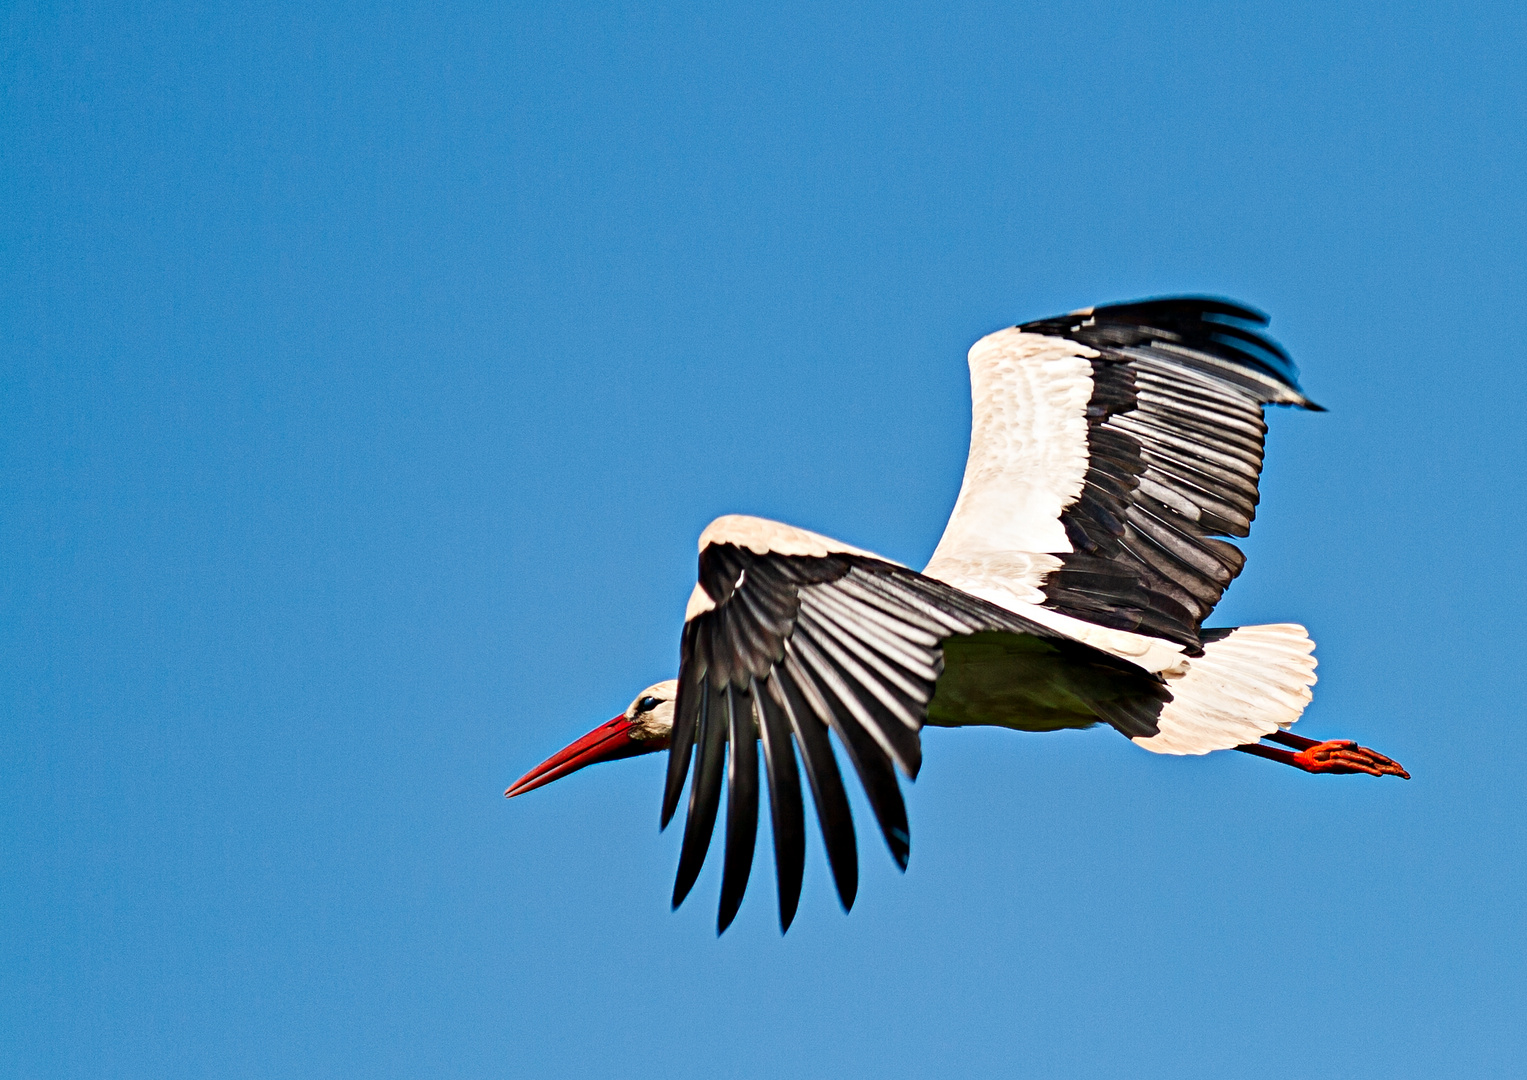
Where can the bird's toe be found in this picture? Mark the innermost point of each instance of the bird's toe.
(1346, 756)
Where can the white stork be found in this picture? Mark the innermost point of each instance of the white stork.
(1110, 449)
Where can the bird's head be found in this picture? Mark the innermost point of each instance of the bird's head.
(643, 728)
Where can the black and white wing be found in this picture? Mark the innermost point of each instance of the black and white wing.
(1112, 450)
(790, 635)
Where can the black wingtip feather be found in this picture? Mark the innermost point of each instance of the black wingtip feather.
(741, 805)
(833, 813)
(877, 772)
(678, 765)
(787, 814)
(1212, 324)
(681, 740)
(704, 796)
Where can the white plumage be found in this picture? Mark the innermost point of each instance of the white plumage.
(1252, 682)
(1028, 452)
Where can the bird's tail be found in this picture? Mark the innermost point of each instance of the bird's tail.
(1250, 681)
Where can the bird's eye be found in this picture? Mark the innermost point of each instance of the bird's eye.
(647, 704)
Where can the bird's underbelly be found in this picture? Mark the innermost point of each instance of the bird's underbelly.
(1013, 681)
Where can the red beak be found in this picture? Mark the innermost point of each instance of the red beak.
(607, 742)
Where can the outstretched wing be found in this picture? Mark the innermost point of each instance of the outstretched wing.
(790, 635)
(1111, 450)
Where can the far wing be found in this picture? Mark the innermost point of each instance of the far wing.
(790, 635)
(1111, 449)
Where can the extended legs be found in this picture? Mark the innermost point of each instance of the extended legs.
(1332, 756)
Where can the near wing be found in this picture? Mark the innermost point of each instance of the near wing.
(779, 648)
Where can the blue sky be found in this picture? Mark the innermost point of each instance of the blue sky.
(367, 372)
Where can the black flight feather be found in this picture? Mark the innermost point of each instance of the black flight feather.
(704, 793)
(833, 814)
(1175, 448)
(741, 803)
(787, 815)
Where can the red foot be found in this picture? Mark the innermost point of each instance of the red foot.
(1345, 756)
(1331, 756)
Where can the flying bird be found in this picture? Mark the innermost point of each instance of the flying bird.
(1112, 451)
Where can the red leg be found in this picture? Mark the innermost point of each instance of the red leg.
(1288, 738)
(1332, 756)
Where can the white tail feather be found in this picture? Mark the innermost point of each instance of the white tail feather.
(1247, 684)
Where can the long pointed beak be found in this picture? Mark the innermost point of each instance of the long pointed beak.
(607, 742)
